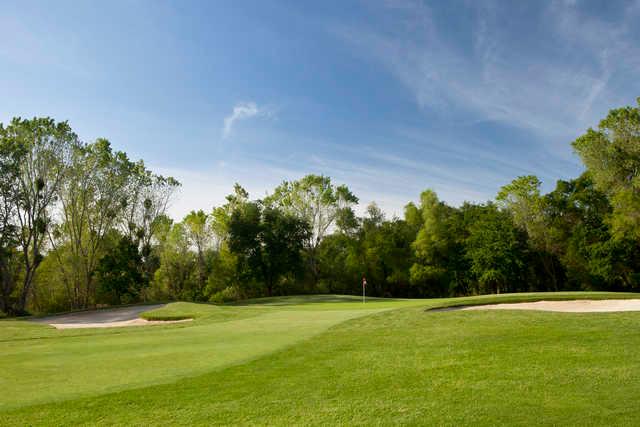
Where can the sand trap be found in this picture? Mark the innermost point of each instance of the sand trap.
(111, 318)
(575, 306)
(120, 324)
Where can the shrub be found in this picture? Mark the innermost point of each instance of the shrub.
(228, 294)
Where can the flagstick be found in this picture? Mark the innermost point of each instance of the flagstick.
(364, 288)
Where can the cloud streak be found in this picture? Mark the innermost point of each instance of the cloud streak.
(550, 92)
(242, 111)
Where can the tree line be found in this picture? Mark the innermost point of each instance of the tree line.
(82, 225)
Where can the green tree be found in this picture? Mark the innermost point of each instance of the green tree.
(9, 259)
(611, 155)
(224, 277)
(198, 228)
(317, 201)
(147, 197)
(578, 219)
(41, 148)
(176, 277)
(221, 216)
(119, 273)
(340, 264)
(226, 274)
(430, 272)
(388, 257)
(522, 199)
(495, 249)
(92, 199)
(269, 240)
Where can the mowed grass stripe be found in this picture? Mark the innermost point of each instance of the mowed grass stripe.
(42, 370)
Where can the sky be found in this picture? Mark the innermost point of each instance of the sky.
(388, 97)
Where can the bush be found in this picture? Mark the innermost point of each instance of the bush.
(228, 294)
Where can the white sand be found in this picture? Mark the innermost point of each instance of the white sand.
(575, 306)
(109, 318)
(120, 324)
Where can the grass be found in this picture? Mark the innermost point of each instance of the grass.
(329, 360)
(208, 312)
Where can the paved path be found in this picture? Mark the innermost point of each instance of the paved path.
(98, 318)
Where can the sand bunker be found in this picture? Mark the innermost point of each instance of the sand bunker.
(111, 318)
(133, 322)
(574, 306)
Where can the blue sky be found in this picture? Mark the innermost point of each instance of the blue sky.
(388, 97)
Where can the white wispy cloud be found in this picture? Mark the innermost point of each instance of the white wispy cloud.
(548, 92)
(552, 92)
(242, 111)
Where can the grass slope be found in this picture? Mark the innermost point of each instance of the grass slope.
(56, 365)
(283, 365)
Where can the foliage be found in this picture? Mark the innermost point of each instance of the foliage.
(176, 278)
(495, 250)
(225, 272)
(612, 156)
(200, 235)
(228, 294)
(37, 150)
(66, 207)
(432, 246)
(268, 240)
(315, 200)
(119, 274)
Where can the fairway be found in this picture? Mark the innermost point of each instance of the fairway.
(329, 360)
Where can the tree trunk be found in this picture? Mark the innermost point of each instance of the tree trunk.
(24, 293)
(548, 264)
(7, 285)
(270, 287)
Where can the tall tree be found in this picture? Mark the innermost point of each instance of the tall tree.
(176, 278)
(432, 246)
(611, 154)
(147, 198)
(9, 170)
(387, 253)
(496, 251)
(269, 240)
(119, 273)
(198, 229)
(42, 147)
(92, 199)
(221, 216)
(319, 203)
(594, 260)
(523, 200)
